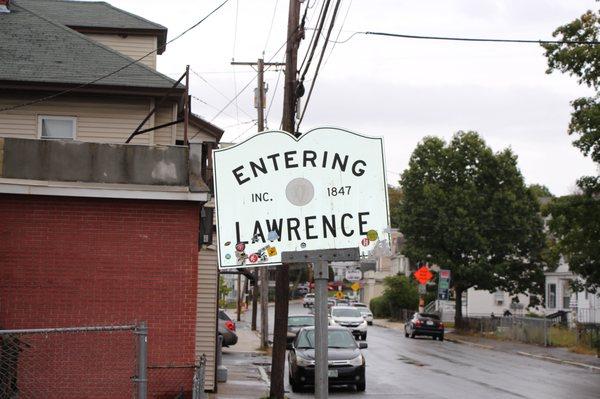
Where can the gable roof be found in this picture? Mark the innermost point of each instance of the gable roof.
(36, 49)
(95, 16)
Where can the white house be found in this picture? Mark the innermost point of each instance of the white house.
(585, 306)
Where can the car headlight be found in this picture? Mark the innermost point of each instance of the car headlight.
(357, 361)
(303, 362)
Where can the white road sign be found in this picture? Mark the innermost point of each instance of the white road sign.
(275, 193)
(353, 275)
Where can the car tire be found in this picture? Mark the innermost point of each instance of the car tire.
(361, 386)
(441, 337)
(412, 335)
(295, 386)
(369, 323)
(405, 334)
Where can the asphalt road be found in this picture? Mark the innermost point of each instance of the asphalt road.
(399, 367)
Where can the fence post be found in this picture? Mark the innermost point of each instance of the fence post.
(545, 331)
(142, 361)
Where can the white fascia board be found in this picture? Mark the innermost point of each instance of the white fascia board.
(99, 190)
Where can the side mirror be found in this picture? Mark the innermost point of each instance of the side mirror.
(289, 345)
(362, 345)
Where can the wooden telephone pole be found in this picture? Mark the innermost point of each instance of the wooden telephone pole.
(264, 273)
(282, 281)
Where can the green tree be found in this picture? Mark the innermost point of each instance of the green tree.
(224, 290)
(400, 292)
(540, 191)
(575, 219)
(467, 209)
(582, 61)
(394, 200)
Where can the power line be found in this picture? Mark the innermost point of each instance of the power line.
(211, 106)
(237, 109)
(272, 99)
(135, 61)
(315, 42)
(339, 32)
(220, 92)
(271, 27)
(243, 88)
(312, 85)
(468, 39)
(245, 131)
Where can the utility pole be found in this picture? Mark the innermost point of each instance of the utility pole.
(282, 281)
(264, 273)
(186, 105)
(254, 298)
(239, 297)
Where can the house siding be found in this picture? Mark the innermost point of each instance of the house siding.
(99, 119)
(206, 323)
(133, 46)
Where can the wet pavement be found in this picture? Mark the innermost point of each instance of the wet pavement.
(399, 367)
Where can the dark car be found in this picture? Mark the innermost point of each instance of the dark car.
(424, 324)
(296, 323)
(346, 362)
(226, 329)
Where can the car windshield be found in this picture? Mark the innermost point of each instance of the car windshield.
(428, 316)
(296, 321)
(335, 339)
(345, 312)
(359, 305)
(309, 295)
(223, 315)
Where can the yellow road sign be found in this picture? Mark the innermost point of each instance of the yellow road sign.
(355, 287)
(339, 295)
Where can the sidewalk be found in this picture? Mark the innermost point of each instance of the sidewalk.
(246, 367)
(553, 354)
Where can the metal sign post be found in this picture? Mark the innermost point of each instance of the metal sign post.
(321, 260)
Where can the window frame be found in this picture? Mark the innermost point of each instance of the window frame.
(551, 296)
(41, 117)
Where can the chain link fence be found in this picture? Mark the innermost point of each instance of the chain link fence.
(99, 362)
(92, 362)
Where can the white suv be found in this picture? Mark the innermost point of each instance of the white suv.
(364, 311)
(309, 300)
(349, 317)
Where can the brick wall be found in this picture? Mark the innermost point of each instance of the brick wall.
(78, 262)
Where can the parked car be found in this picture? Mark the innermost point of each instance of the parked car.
(309, 300)
(349, 317)
(346, 362)
(296, 323)
(226, 329)
(342, 302)
(424, 324)
(364, 311)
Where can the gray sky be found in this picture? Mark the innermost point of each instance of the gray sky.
(400, 89)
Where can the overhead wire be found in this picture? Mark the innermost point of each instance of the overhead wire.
(272, 100)
(339, 32)
(271, 27)
(466, 39)
(244, 132)
(237, 6)
(315, 42)
(220, 92)
(135, 61)
(312, 84)
(245, 87)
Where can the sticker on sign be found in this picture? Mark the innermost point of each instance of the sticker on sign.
(324, 190)
(353, 275)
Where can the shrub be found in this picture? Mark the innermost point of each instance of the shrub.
(380, 308)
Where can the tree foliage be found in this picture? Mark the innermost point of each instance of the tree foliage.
(467, 209)
(575, 219)
(575, 222)
(540, 191)
(394, 199)
(582, 61)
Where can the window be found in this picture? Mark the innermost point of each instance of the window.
(499, 298)
(56, 127)
(551, 299)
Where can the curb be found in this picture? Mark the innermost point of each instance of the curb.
(263, 375)
(561, 361)
(460, 341)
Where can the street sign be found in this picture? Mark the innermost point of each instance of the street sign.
(353, 275)
(444, 285)
(355, 286)
(275, 193)
(423, 275)
(339, 295)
